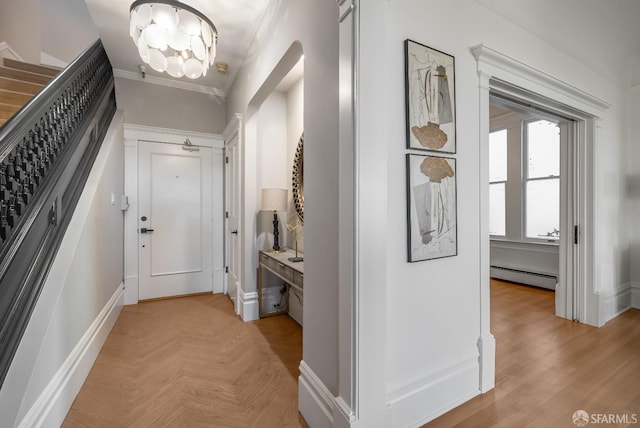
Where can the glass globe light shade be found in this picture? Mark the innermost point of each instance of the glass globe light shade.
(207, 37)
(174, 66)
(197, 47)
(164, 16)
(179, 39)
(143, 50)
(143, 16)
(157, 60)
(189, 22)
(192, 68)
(156, 37)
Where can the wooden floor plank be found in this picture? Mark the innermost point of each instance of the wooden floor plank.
(547, 367)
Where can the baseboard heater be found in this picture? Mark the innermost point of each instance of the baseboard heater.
(542, 280)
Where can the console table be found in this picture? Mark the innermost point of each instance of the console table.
(292, 273)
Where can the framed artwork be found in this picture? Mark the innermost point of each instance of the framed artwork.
(431, 207)
(430, 98)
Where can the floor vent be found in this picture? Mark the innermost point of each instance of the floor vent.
(524, 277)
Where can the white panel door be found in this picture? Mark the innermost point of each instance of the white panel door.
(232, 207)
(175, 245)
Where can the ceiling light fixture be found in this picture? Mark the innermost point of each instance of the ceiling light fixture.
(173, 37)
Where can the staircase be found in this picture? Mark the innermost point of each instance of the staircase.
(47, 150)
(19, 82)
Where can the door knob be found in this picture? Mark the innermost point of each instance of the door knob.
(145, 230)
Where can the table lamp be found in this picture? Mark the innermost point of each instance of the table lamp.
(274, 200)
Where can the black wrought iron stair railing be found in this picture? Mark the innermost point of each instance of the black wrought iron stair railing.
(46, 152)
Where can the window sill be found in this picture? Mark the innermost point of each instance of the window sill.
(544, 243)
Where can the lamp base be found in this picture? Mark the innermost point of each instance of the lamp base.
(296, 259)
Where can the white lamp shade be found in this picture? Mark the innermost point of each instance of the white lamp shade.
(274, 200)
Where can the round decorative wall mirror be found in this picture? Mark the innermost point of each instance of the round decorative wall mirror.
(297, 179)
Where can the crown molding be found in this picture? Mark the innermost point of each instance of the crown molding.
(186, 86)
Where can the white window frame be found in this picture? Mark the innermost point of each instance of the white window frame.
(504, 237)
(525, 180)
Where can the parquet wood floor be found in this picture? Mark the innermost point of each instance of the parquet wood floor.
(191, 362)
(547, 367)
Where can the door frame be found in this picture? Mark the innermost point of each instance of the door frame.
(132, 135)
(497, 71)
(234, 129)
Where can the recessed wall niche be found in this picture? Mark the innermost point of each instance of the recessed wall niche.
(279, 127)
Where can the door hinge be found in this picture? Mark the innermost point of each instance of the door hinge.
(226, 159)
(575, 234)
(226, 269)
(226, 214)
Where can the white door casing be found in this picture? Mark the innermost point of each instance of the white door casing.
(499, 71)
(176, 208)
(232, 214)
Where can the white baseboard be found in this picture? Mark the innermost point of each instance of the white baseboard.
(343, 414)
(7, 52)
(420, 398)
(487, 352)
(49, 60)
(615, 302)
(56, 399)
(635, 295)
(315, 401)
(248, 305)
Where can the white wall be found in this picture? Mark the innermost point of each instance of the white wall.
(165, 107)
(60, 28)
(58, 17)
(272, 167)
(280, 121)
(83, 285)
(419, 322)
(433, 308)
(295, 121)
(15, 16)
(313, 24)
(633, 189)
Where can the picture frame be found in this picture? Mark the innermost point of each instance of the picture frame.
(430, 98)
(431, 207)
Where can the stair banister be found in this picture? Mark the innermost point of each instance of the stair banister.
(46, 152)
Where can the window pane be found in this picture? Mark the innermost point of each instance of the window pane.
(497, 225)
(498, 155)
(543, 148)
(543, 208)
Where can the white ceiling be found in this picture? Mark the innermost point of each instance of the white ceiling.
(602, 34)
(236, 21)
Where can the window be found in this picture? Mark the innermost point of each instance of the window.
(542, 180)
(497, 180)
(524, 178)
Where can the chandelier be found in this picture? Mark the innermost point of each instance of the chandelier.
(173, 37)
